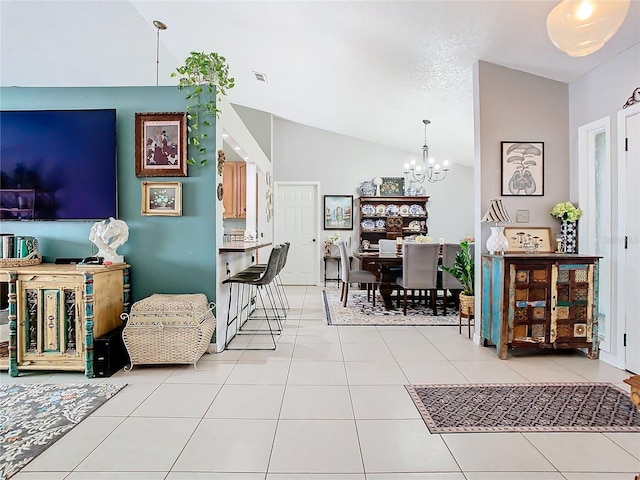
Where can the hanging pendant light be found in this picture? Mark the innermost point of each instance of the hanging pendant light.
(427, 169)
(581, 27)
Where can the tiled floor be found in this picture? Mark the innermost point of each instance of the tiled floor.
(330, 404)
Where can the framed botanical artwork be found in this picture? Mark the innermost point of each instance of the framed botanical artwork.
(392, 187)
(528, 239)
(522, 168)
(338, 212)
(162, 198)
(161, 144)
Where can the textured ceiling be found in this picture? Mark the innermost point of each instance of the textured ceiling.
(371, 70)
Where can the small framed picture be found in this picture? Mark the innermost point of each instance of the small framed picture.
(392, 187)
(162, 198)
(527, 239)
(161, 144)
(522, 168)
(338, 212)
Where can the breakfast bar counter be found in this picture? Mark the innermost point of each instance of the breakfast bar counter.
(241, 246)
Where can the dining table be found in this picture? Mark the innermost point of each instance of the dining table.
(380, 264)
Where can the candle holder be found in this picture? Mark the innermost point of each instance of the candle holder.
(559, 243)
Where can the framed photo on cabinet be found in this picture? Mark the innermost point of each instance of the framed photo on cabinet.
(528, 239)
(162, 198)
(522, 168)
(161, 144)
(338, 212)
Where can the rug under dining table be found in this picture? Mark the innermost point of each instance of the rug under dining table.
(360, 311)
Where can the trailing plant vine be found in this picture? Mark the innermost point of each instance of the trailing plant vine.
(204, 77)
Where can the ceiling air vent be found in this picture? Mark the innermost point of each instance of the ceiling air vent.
(261, 77)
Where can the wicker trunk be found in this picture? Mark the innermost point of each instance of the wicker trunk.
(168, 329)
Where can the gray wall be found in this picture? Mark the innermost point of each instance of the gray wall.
(167, 254)
(341, 163)
(517, 106)
(607, 88)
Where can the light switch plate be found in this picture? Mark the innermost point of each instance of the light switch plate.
(522, 216)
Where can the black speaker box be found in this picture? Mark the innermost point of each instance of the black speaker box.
(109, 353)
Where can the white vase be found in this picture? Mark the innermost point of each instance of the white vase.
(497, 243)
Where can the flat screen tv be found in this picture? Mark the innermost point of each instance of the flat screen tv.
(58, 164)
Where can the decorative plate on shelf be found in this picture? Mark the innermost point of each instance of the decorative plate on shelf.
(368, 209)
(393, 209)
(404, 210)
(416, 210)
(368, 224)
(415, 226)
(380, 223)
(381, 209)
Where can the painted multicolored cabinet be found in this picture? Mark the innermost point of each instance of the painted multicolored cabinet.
(56, 311)
(540, 301)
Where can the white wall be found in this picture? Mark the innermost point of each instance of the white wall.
(341, 163)
(259, 124)
(517, 106)
(602, 93)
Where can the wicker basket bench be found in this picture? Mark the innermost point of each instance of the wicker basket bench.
(168, 329)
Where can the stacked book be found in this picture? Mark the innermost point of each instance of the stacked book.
(18, 246)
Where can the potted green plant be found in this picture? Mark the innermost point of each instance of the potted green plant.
(205, 77)
(463, 271)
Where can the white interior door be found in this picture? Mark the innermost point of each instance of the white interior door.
(296, 221)
(632, 243)
(594, 145)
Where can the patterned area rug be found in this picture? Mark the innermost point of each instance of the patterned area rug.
(34, 416)
(359, 311)
(534, 407)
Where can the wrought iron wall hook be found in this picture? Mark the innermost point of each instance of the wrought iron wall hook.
(634, 98)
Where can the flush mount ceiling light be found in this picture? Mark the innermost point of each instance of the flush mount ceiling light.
(581, 27)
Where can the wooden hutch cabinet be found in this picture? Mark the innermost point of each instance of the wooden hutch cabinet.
(392, 217)
(540, 301)
(56, 311)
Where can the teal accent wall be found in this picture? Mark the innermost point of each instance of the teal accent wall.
(166, 254)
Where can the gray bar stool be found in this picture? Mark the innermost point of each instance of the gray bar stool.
(245, 281)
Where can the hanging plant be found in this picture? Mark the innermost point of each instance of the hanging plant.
(204, 77)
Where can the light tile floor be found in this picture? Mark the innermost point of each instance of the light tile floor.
(328, 404)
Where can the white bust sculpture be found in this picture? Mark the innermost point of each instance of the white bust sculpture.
(108, 235)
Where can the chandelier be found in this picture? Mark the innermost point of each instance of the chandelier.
(428, 169)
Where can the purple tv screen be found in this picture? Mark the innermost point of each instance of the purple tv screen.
(58, 165)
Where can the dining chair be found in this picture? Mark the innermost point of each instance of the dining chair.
(354, 276)
(449, 282)
(419, 270)
(386, 246)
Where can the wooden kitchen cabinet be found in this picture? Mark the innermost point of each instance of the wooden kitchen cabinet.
(540, 301)
(234, 184)
(56, 311)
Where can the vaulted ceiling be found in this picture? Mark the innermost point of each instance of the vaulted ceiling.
(368, 69)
